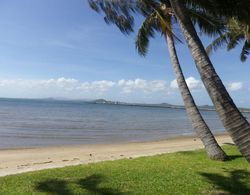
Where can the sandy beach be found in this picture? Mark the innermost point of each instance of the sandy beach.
(13, 161)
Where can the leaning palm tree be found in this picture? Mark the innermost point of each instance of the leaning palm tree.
(234, 122)
(157, 21)
(159, 18)
(237, 32)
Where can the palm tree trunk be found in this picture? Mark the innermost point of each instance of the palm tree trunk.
(213, 149)
(233, 121)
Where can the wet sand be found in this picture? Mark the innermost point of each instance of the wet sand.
(13, 161)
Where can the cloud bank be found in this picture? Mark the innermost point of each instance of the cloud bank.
(75, 89)
(72, 88)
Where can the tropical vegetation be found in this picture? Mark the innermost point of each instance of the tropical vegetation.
(159, 17)
(233, 120)
(120, 13)
(236, 33)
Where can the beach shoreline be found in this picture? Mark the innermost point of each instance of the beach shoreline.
(14, 160)
(173, 137)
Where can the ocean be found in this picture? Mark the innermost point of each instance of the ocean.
(28, 123)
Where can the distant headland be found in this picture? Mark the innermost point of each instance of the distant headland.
(161, 105)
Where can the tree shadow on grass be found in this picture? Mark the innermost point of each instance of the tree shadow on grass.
(90, 183)
(229, 157)
(54, 186)
(237, 182)
(233, 157)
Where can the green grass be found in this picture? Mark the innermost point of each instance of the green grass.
(177, 173)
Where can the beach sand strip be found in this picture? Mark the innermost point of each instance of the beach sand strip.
(13, 161)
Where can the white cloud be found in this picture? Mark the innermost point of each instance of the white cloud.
(100, 86)
(128, 86)
(174, 84)
(192, 83)
(72, 88)
(235, 86)
(67, 84)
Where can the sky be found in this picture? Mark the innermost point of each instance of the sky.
(63, 49)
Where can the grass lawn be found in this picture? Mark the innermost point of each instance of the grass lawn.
(176, 173)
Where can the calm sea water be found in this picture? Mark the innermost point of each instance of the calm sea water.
(33, 123)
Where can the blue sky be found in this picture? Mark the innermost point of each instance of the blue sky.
(61, 48)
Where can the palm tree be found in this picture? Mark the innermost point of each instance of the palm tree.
(233, 121)
(158, 18)
(237, 32)
(156, 21)
(213, 149)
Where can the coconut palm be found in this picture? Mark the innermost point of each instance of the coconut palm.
(158, 17)
(237, 32)
(157, 21)
(234, 122)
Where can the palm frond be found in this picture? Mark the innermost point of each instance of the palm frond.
(146, 7)
(245, 51)
(166, 26)
(217, 43)
(118, 12)
(225, 8)
(208, 24)
(234, 40)
(146, 31)
(236, 32)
